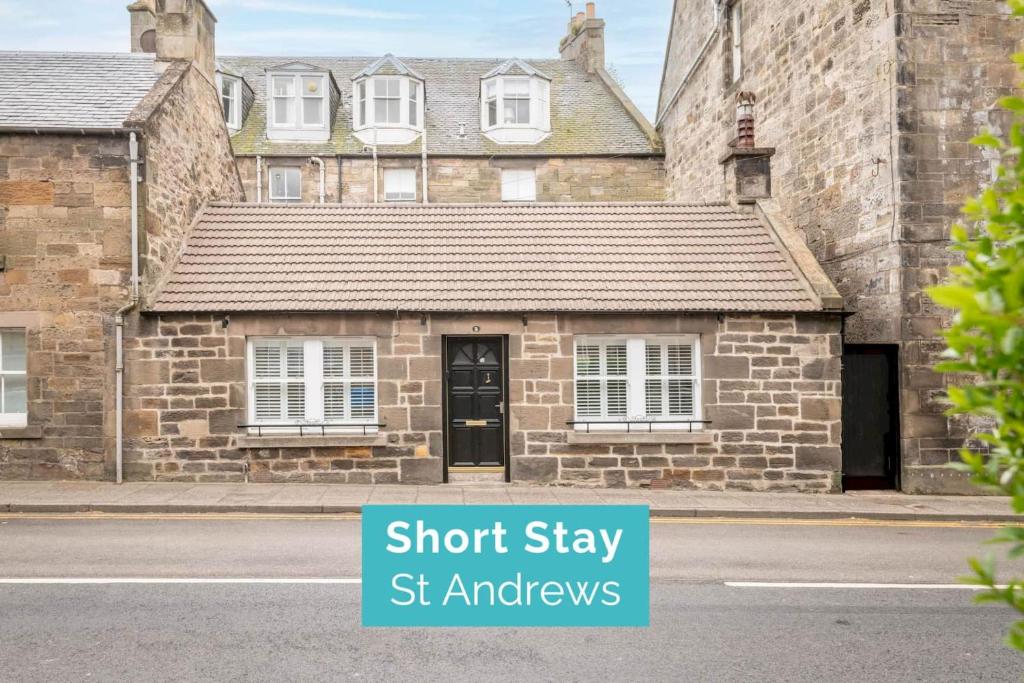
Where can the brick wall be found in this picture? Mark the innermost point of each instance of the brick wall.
(64, 217)
(476, 180)
(771, 387)
(870, 106)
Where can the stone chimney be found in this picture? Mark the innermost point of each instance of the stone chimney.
(747, 167)
(585, 40)
(174, 30)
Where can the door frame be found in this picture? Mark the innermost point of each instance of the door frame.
(445, 426)
(892, 480)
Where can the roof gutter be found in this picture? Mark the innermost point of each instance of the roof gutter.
(59, 130)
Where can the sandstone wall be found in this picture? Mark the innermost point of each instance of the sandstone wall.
(476, 180)
(870, 106)
(188, 162)
(64, 236)
(771, 387)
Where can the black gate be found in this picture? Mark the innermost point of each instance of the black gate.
(871, 417)
(476, 434)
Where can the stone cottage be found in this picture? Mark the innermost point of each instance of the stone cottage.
(611, 344)
(862, 113)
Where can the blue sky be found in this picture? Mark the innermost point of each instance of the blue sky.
(635, 34)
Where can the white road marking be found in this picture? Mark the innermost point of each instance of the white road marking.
(916, 586)
(146, 579)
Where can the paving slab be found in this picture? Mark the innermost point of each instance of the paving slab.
(173, 497)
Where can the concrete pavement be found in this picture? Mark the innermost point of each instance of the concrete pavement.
(166, 497)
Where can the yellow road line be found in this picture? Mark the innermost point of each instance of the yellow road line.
(732, 521)
(755, 521)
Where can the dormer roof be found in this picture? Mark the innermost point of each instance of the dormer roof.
(388, 65)
(515, 67)
(223, 68)
(297, 66)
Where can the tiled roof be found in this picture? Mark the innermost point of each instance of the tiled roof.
(72, 90)
(642, 257)
(586, 117)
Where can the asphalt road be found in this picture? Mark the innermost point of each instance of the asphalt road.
(702, 628)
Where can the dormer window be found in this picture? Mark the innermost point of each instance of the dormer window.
(515, 104)
(388, 103)
(231, 101)
(299, 105)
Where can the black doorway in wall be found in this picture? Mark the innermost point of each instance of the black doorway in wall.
(871, 417)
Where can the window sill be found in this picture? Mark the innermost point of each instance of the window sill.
(639, 437)
(29, 432)
(294, 441)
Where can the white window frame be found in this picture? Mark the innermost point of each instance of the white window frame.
(20, 419)
(736, 29)
(524, 80)
(400, 177)
(314, 381)
(491, 102)
(285, 199)
(233, 110)
(411, 97)
(518, 184)
(296, 98)
(636, 384)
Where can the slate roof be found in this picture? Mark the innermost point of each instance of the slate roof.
(71, 90)
(586, 117)
(642, 257)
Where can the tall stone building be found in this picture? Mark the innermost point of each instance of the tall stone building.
(358, 129)
(863, 114)
(94, 148)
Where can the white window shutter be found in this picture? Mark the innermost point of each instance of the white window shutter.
(540, 97)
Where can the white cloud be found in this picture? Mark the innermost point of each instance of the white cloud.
(313, 9)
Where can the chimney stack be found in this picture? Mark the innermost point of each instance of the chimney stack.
(585, 40)
(174, 30)
(748, 168)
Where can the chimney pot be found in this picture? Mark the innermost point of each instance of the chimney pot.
(591, 10)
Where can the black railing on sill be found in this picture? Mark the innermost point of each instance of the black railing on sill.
(629, 423)
(307, 429)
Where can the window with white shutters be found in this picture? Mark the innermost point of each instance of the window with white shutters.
(400, 184)
(307, 381)
(13, 378)
(637, 379)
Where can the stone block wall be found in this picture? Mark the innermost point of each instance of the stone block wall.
(870, 106)
(188, 163)
(475, 180)
(64, 236)
(955, 63)
(771, 386)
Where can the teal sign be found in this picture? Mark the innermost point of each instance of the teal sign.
(506, 565)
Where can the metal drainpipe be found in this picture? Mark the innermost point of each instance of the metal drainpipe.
(323, 176)
(133, 150)
(426, 198)
(376, 193)
(259, 179)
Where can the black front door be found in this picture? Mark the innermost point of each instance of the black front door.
(475, 401)
(871, 424)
